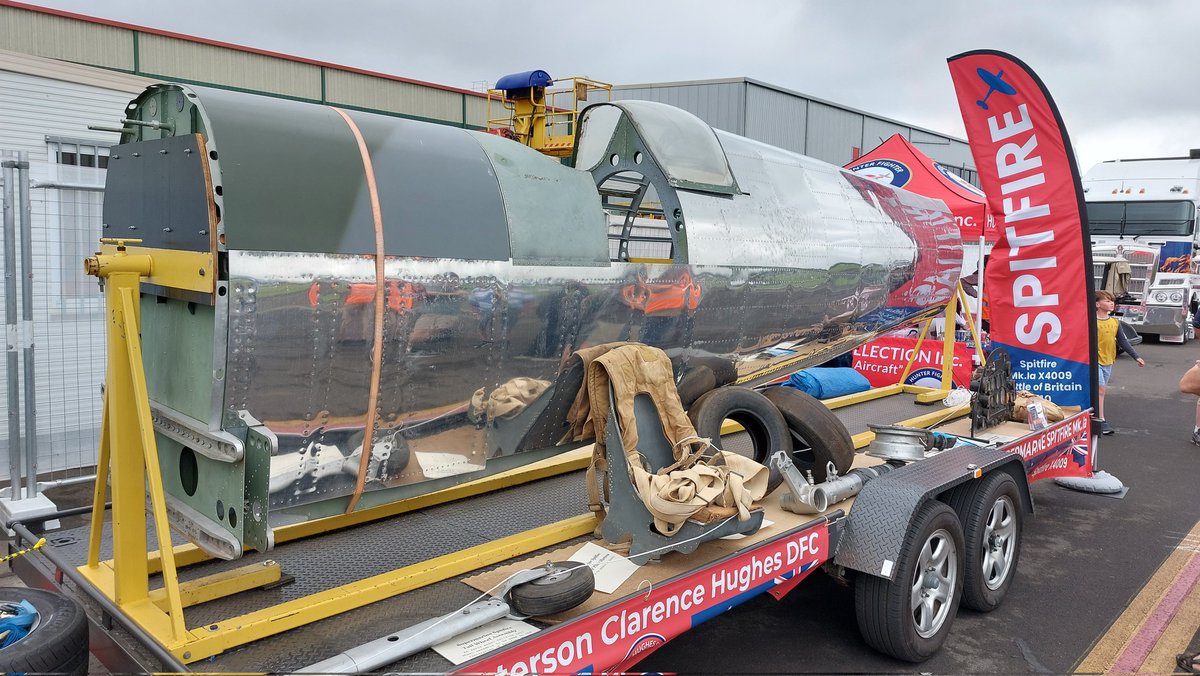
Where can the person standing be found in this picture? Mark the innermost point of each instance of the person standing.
(1108, 337)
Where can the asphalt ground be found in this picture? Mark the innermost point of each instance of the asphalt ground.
(1103, 584)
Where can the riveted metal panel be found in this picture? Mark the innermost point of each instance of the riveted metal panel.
(553, 211)
(776, 117)
(833, 133)
(219, 65)
(876, 131)
(878, 523)
(437, 191)
(406, 98)
(720, 104)
(292, 178)
(68, 39)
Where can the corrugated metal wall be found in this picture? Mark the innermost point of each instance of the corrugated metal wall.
(162, 57)
(67, 39)
(174, 58)
(776, 117)
(953, 153)
(876, 131)
(832, 133)
(799, 123)
(721, 104)
(364, 91)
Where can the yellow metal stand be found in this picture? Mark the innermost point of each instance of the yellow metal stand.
(128, 458)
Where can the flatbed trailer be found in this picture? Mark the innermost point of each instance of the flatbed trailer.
(436, 560)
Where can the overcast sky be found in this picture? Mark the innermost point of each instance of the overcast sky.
(1123, 73)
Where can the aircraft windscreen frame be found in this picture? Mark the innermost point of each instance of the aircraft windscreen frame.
(1175, 218)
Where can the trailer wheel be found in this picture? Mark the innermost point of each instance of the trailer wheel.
(910, 617)
(58, 641)
(992, 521)
(568, 584)
(818, 436)
(763, 422)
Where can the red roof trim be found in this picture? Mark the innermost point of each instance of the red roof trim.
(230, 45)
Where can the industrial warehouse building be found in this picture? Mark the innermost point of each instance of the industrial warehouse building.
(61, 73)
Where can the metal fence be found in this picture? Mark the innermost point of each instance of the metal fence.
(55, 328)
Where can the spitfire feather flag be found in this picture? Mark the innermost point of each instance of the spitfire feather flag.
(1039, 276)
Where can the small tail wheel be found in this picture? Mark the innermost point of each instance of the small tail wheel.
(818, 436)
(568, 584)
(57, 641)
(910, 616)
(992, 520)
(763, 423)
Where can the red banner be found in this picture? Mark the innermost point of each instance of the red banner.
(883, 360)
(1039, 278)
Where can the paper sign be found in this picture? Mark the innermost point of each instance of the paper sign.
(610, 569)
(438, 465)
(483, 640)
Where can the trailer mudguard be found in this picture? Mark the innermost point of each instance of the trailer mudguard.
(877, 525)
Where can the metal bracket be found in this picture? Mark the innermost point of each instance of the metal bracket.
(216, 444)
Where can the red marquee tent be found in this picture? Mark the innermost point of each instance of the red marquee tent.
(898, 162)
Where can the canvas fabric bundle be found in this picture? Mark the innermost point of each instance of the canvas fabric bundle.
(1021, 402)
(704, 483)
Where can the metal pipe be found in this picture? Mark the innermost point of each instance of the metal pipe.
(383, 651)
(27, 326)
(167, 660)
(850, 484)
(67, 186)
(11, 337)
(44, 486)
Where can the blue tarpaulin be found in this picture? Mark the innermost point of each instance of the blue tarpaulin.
(826, 383)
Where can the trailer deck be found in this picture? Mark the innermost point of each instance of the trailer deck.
(315, 568)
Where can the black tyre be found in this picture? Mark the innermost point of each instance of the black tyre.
(992, 519)
(910, 617)
(818, 436)
(569, 584)
(58, 642)
(763, 423)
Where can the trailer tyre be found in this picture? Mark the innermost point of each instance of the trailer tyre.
(818, 436)
(910, 617)
(569, 584)
(992, 521)
(763, 422)
(58, 642)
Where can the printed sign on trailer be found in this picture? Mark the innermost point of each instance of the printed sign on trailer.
(617, 637)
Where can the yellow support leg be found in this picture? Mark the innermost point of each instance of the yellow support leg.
(129, 458)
